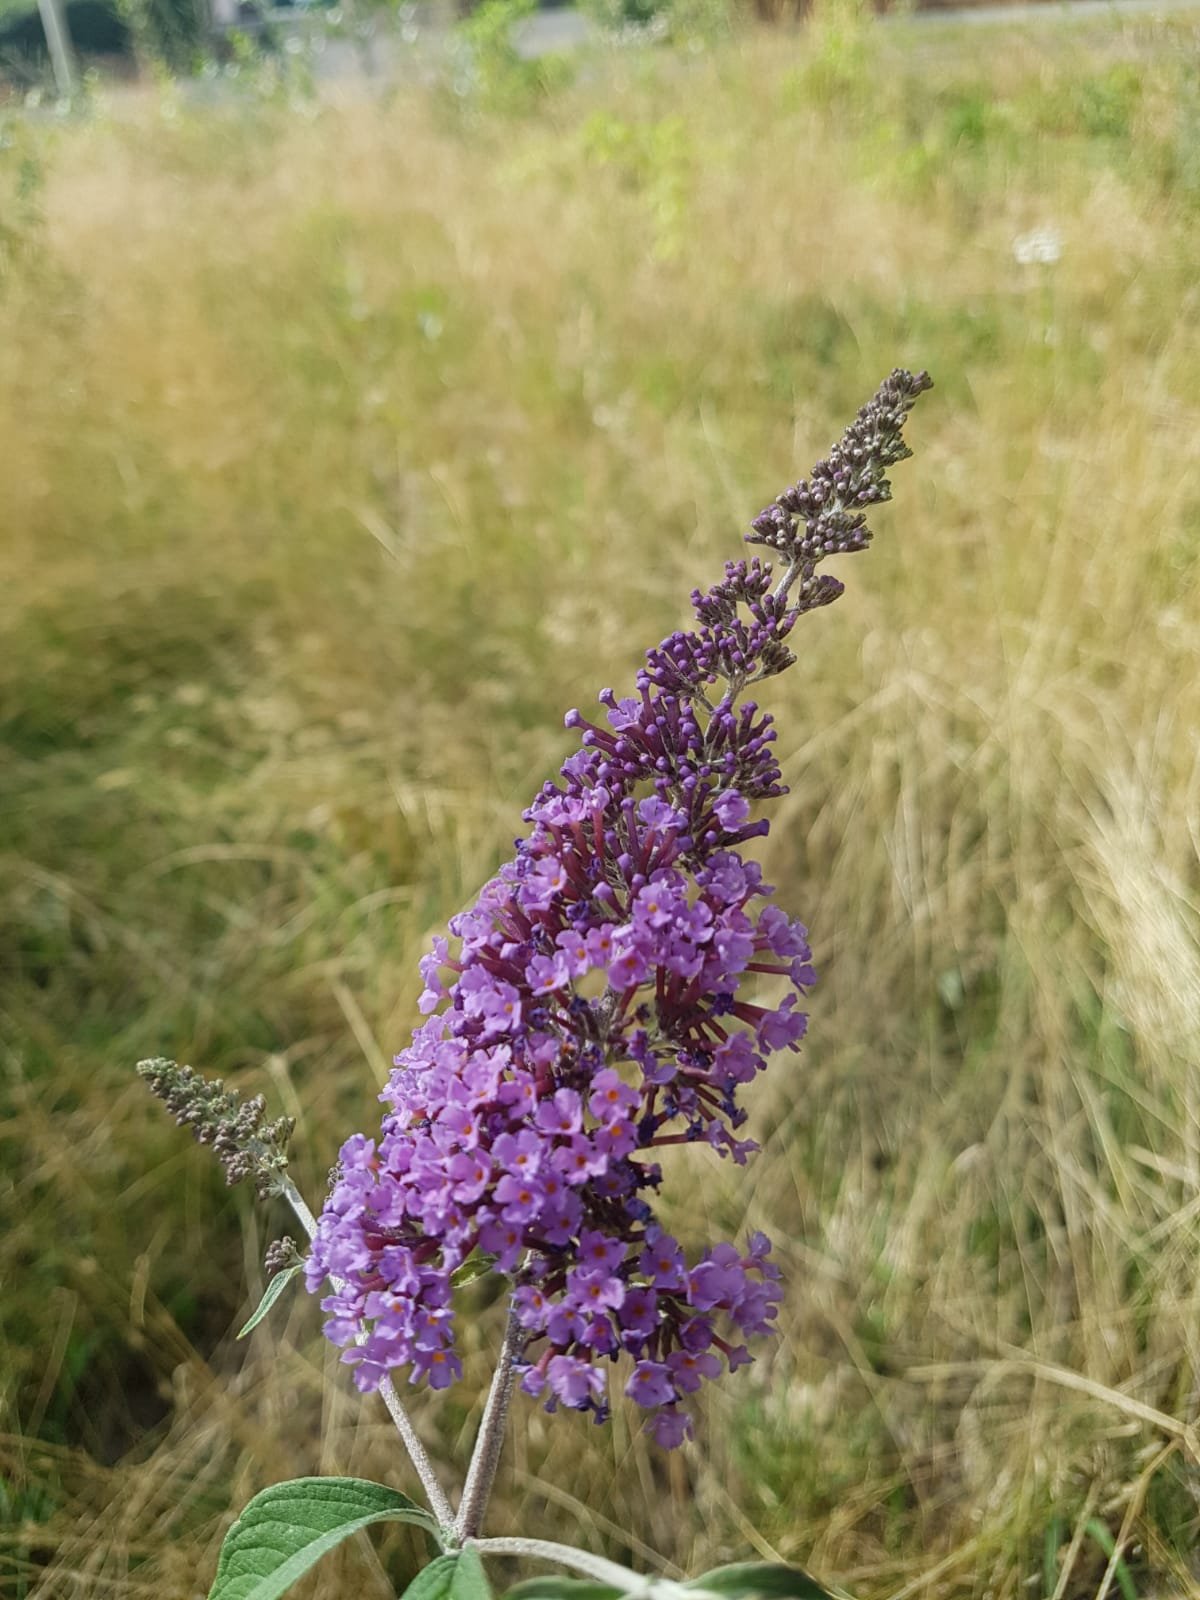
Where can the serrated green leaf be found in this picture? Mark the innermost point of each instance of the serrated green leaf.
(290, 1526)
(274, 1289)
(458, 1576)
(566, 1589)
(760, 1580)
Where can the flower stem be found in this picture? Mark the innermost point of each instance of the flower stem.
(489, 1443)
(604, 1571)
(298, 1204)
(438, 1502)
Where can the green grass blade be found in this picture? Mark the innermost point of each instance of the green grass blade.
(1103, 1537)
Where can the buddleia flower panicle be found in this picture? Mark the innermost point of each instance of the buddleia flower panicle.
(593, 1009)
(246, 1145)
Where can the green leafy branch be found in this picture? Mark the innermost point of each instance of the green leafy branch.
(287, 1528)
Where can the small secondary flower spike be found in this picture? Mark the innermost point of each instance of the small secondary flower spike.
(593, 1012)
(245, 1145)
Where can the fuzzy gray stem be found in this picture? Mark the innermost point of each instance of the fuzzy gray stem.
(438, 1502)
(604, 1571)
(489, 1443)
(785, 583)
(434, 1493)
(298, 1204)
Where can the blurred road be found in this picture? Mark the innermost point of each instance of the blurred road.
(422, 41)
(1056, 11)
(548, 31)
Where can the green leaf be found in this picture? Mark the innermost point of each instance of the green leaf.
(458, 1576)
(567, 1589)
(289, 1526)
(274, 1289)
(765, 1580)
(475, 1266)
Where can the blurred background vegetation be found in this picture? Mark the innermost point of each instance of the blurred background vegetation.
(347, 441)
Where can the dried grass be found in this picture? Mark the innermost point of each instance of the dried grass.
(345, 447)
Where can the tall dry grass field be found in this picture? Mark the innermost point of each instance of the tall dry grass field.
(345, 446)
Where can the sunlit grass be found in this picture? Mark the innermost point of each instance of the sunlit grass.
(344, 448)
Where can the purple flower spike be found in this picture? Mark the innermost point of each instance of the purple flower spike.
(609, 994)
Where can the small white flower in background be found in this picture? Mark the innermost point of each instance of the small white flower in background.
(1042, 246)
